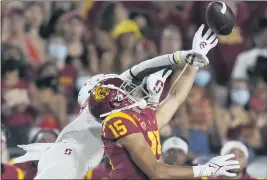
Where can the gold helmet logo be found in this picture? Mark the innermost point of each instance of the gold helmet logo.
(100, 93)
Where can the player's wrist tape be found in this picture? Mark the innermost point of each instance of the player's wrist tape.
(201, 170)
(176, 58)
(179, 58)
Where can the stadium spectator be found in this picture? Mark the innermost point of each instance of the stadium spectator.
(258, 100)
(251, 136)
(146, 26)
(13, 52)
(52, 104)
(78, 49)
(16, 35)
(200, 113)
(257, 104)
(64, 5)
(251, 62)
(171, 40)
(112, 14)
(57, 50)
(127, 35)
(241, 154)
(178, 13)
(238, 99)
(34, 17)
(15, 99)
(174, 151)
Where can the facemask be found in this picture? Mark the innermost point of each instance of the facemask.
(58, 51)
(202, 78)
(240, 97)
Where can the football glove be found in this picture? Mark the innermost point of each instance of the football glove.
(217, 166)
(201, 45)
(155, 84)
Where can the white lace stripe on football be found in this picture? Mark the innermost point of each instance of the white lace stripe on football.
(224, 8)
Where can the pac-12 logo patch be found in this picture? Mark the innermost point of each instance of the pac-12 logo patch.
(100, 93)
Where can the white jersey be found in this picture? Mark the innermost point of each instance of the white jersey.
(85, 132)
(83, 122)
(77, 149)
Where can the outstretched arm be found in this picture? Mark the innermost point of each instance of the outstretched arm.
(144, 158)
(181, 87)
(147, 67)
(135, 143)
(176, 96)
(138, 72)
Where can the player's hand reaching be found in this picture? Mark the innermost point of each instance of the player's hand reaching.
(218, 166)
(155, 84)
(201, 45)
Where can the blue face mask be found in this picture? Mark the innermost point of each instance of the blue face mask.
(202, 78)
(58, 51)
(240, 97)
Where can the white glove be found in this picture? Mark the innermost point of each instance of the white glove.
(155, 84)
(201, 45)
(217, 166)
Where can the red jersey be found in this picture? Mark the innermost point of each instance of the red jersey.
(28, 168)
(100, 172)
(11, 172)
(121, 124)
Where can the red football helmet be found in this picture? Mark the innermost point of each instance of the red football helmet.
(114, 94)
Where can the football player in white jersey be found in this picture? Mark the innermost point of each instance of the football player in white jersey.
(78, 147)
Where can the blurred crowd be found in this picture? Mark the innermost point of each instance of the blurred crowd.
(50, 48)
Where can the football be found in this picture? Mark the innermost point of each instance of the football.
(220, 18)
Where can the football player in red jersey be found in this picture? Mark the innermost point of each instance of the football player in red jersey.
(130, 126)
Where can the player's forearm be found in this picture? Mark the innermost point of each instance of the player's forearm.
(176, 97)
(164, 171)
(143, 69)
(182, 85)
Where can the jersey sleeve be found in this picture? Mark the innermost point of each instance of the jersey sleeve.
(150, 66)
(118, 125)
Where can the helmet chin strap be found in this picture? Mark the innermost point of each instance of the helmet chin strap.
(140, 104)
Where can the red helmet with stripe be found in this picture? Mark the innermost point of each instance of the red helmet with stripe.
(113, 94)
